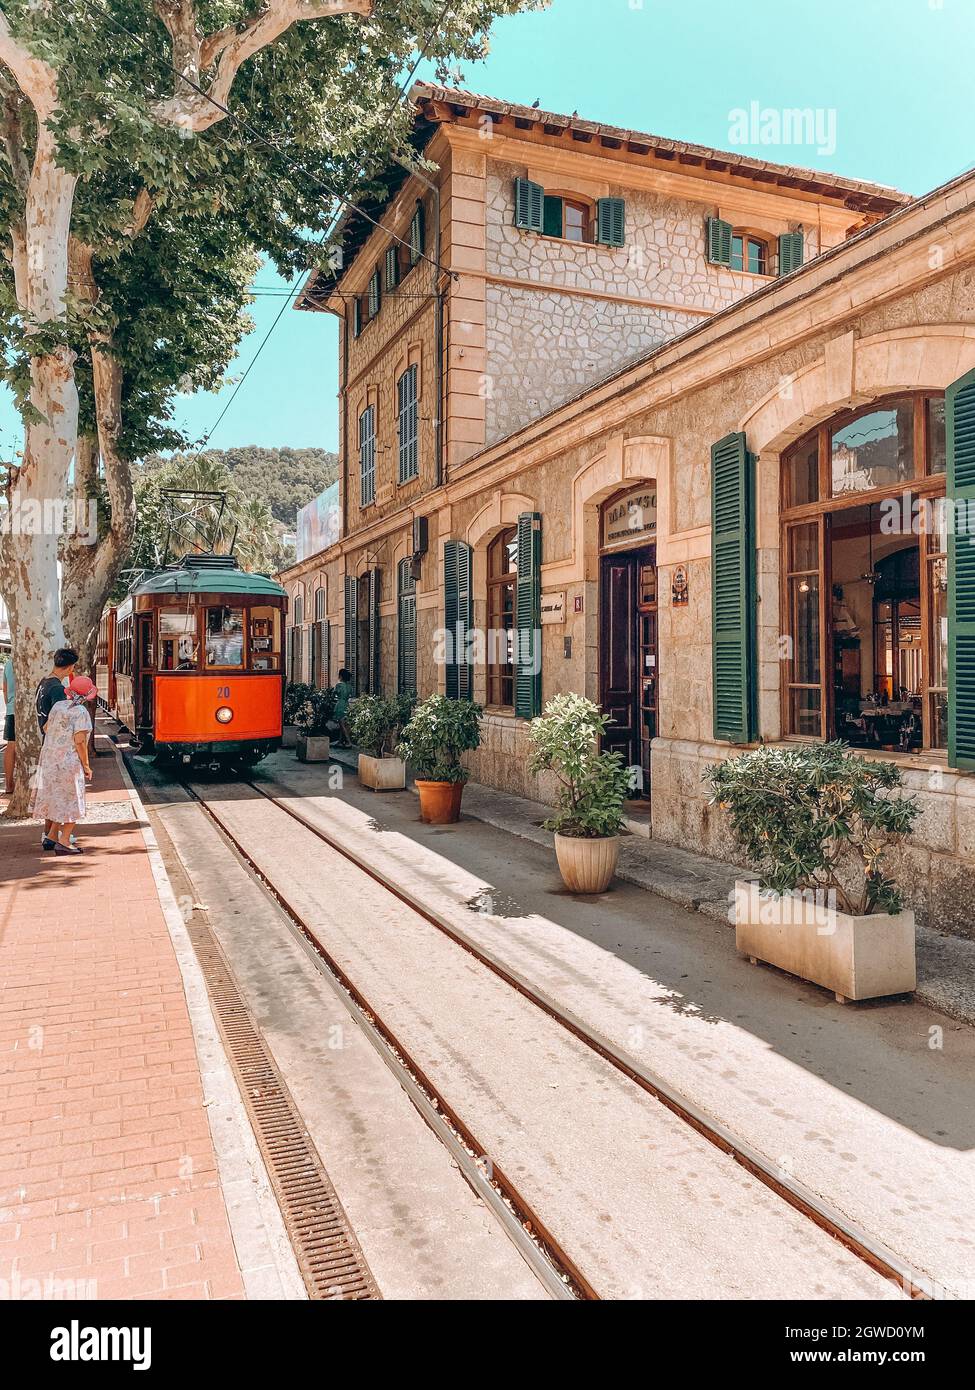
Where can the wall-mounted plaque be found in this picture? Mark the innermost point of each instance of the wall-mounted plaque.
(678, 589)
(553, 607)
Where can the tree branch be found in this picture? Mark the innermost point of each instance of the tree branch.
(36, 79)
(227, 50)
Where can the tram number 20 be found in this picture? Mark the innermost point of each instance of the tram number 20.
(223, 692)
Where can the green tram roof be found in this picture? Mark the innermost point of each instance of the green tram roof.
(208, 574)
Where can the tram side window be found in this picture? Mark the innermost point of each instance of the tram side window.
(225, 637)
(265, 639)
(178, 645)
(123, 648)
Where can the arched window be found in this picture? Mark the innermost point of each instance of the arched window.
(502, 580)
(864, 586)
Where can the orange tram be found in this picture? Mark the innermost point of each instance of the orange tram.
(191, 663)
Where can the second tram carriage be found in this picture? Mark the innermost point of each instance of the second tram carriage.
(193, 662)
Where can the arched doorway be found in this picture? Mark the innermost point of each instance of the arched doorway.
(628, 628)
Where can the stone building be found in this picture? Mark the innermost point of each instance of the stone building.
(710, 498)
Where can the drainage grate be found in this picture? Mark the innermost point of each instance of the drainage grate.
(331, 1261)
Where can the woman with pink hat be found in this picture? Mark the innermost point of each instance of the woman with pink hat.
(63, 768)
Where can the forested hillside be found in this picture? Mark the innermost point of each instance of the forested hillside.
(283, 478)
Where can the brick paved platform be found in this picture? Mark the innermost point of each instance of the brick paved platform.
(108, 1180)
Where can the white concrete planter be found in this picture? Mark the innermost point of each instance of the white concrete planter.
(314, 748)
(587, 866)
(382, 774)
(289, 736)
(855, 957)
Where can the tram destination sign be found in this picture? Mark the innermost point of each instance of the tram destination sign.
(630, 518)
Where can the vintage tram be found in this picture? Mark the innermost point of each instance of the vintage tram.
(191, 662)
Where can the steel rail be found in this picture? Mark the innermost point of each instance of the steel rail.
(552, 1266)
(861, 1244)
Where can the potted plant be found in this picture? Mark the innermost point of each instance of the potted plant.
(438, 732)
(312, 719)
(375, 725)
(295, 695)
(592, 789)
(815, 821)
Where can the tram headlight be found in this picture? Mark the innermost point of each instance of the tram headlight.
(224, 714)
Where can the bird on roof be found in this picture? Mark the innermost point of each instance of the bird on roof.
(536, 103)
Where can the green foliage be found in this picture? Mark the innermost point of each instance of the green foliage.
(439, 731)
(295, 695)
(375, 723)
(817, 816)
(285, 478)
(593, 786)
(313, 713)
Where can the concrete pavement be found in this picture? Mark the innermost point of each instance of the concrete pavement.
(872, 1106)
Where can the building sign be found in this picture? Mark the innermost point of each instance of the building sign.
(319, 523)
(630, 519)
(553, 608)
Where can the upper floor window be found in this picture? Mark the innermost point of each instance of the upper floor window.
(367, 456)
(406, 394)
(749, 253)
(571, 219)
(320, 594)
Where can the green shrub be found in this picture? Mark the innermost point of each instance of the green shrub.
(438, 732)
(593, 786)
(817, 817)
(295, 695)
(375, 723)
(314, 712)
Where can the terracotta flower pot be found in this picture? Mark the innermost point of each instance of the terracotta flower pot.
(587, 866)
(440, 801)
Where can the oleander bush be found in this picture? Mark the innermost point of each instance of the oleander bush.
(817, 817)
(314, 713)
(593, 786)
(375, 723)
(438, 733)
(295, 695)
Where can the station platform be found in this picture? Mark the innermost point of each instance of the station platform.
(108, 1177)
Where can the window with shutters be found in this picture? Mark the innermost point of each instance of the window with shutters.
(409, 421)
(321, 594)
(502, 584)
(568, 218)
(417, 235)
(406, 624)
(865, 592)
(367, 456)
(375, 293)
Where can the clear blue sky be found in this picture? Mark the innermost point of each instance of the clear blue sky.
(896, 73)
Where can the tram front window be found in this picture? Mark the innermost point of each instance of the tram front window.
(178, 646)
(225, 638)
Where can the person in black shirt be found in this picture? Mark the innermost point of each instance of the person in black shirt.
(46, 696)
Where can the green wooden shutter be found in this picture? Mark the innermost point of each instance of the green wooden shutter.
(417, 235)
(375, 646)
(457, 616)
(529, 205)
(352, 628)
(552, 216)
(406, 638)
(392, 267)
(611, 222)
(375, 293)
(356, 316)
(718, 240)
(528, 617)
(289, 655)
(790, 252)
(733, 589)
(960, 487)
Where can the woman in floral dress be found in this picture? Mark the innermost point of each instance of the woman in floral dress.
(63, 768)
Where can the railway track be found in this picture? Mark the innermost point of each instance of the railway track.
(554, 1266)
